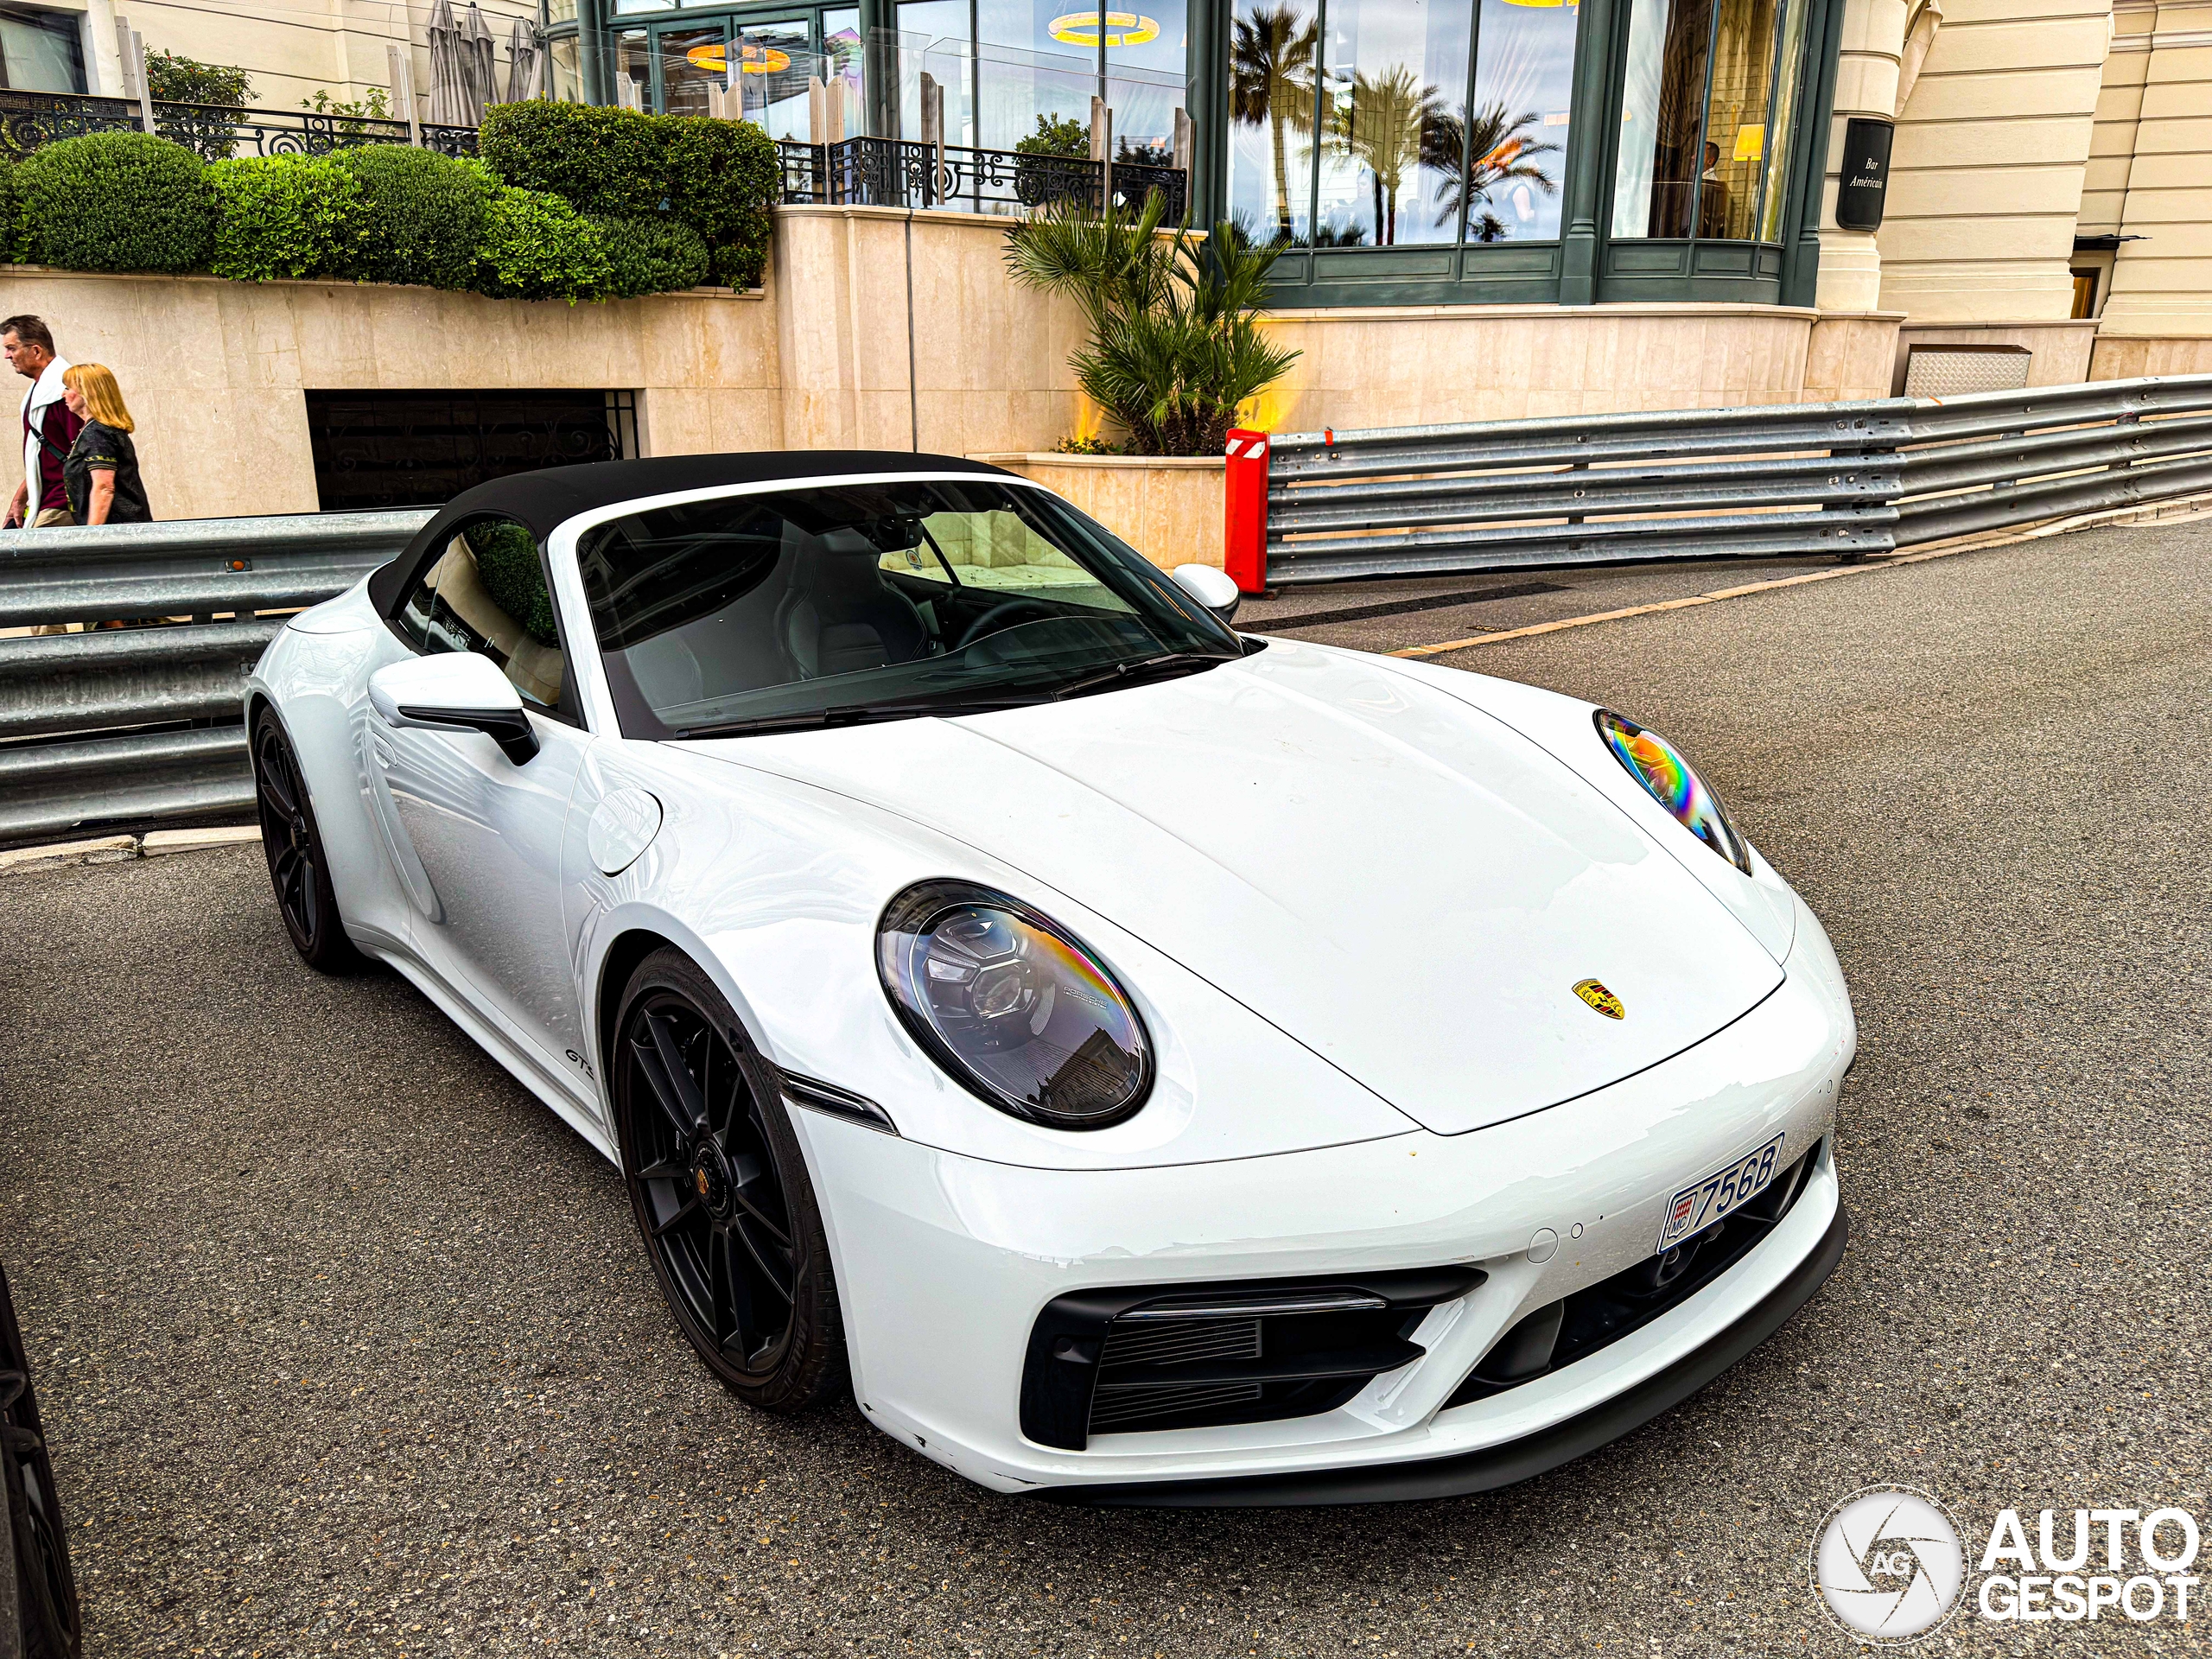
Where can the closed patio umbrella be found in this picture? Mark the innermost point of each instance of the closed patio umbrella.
(525, 62)
(448, 72)
(477, 54)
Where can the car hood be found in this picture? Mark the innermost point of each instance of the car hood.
(1392, 877)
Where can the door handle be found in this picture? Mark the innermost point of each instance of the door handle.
(386, 756)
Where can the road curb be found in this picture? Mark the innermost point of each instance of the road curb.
(117, 850)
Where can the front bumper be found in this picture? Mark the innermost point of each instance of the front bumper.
(943, 1263)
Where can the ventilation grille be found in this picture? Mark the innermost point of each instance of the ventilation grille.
(1181, 1344)
(1125, 1407)
(1155, 1357)
(1186, 1343)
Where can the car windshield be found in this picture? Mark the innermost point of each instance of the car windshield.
(875, 599)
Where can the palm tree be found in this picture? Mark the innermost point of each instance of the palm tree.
(1503, 155)
(1384, 127)
(1175, 345)
(1271, 80)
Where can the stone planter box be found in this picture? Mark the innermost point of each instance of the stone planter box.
(1168, 507)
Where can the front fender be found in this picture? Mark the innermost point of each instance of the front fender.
(775, 888)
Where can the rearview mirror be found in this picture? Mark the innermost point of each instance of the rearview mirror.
(1211, 588)
(455, 690)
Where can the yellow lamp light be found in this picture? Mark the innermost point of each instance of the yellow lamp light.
(714, 58)
(1751, 143)
(1122, 28)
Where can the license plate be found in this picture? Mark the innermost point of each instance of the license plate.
(1698, 1206)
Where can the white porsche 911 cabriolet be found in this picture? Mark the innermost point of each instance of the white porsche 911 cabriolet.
(1155, 1065)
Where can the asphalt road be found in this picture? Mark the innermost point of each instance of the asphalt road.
(348, 1346)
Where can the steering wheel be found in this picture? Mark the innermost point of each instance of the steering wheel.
(993, 617)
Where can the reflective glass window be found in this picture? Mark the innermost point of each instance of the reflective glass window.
(1711, 92)
(843, 57)
(1655, 187)
(486, 593)
(934, 39)
(1734, 159)
(633, 69)
(1393, 120)
(1147, 45)
(1519, 120)
(1789, 78)
(564, 61)
(694, 71)
(874, 599)
(1273, 62)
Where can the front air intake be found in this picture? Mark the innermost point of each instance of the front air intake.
(1201, 1356)
(1559, 1333)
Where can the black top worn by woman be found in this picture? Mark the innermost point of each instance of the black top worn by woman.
(105, 448)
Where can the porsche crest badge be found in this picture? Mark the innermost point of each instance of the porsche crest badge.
(1600, 999)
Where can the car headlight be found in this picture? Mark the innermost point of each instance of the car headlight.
(1654, 762)
(1013, 1006)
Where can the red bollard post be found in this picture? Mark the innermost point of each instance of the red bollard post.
(1245, 545)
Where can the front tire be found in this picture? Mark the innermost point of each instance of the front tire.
(721, 1193)
(292, 842)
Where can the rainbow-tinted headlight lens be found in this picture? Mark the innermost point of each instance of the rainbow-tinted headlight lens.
(1013, 1006)
(1653, 762)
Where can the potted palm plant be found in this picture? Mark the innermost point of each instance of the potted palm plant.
(1174, 347)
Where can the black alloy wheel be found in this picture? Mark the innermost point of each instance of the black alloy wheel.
(33, 1548)
(721, 1192)
(297, 869)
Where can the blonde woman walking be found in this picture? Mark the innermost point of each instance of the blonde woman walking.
(101, 473)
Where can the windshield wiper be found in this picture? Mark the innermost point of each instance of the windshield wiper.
(859, 713)
(1180, 662)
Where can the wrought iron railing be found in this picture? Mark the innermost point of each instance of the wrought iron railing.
(31, 120)
(901, 172)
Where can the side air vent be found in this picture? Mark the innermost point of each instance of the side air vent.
(1575, 1327)
(1137, 1349)
(1200, 1355)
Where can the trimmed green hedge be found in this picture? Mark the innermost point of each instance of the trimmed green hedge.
(719, 178)
(284, 216)
(569, 202)
(115, 201)
(724, 181)
(651, 256)
(601, 161)
(535, 246)
(421, 216)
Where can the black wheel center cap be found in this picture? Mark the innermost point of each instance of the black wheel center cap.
(710, 1178)
(299, 836)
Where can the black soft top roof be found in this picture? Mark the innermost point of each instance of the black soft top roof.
(544, 499)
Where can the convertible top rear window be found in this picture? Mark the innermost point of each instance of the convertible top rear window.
(874, 599)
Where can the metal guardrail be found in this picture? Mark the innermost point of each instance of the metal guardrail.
(143, 722)
(1842, 479)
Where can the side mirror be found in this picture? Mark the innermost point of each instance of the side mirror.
(1211, 588)
(455, 690)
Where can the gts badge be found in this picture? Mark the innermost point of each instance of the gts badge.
(580, 1063)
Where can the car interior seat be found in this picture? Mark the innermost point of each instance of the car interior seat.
(840, 616)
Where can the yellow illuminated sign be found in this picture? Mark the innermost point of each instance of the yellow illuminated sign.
(1122, 28)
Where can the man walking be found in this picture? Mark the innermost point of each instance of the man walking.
(49, 428)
